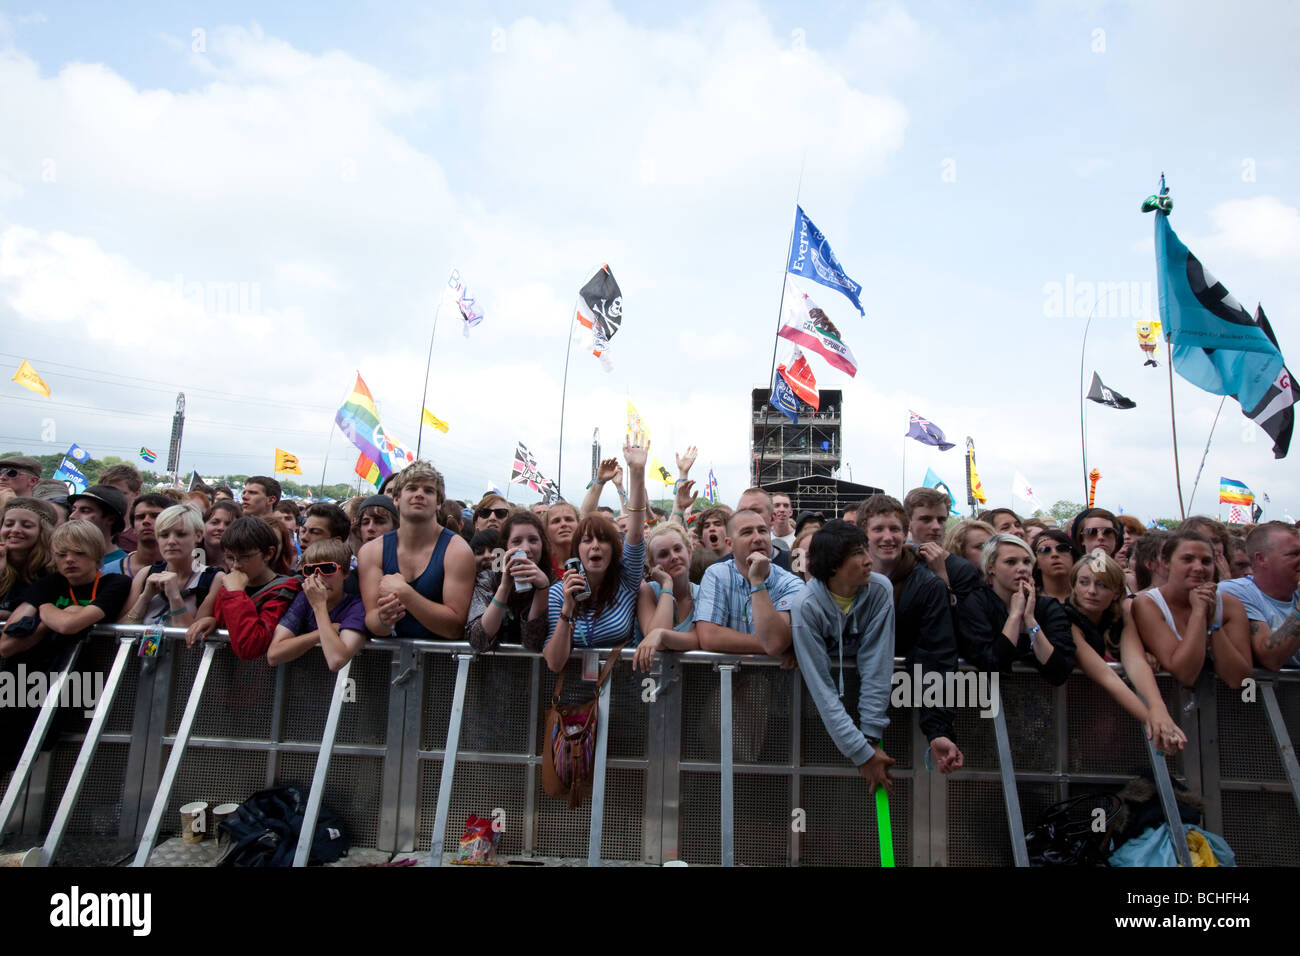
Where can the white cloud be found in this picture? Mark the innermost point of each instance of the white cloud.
(1261, 228)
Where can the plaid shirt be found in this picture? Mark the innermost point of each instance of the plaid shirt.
(725, 599)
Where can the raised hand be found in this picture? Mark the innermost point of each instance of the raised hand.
(607, 469)
(685, 495)
(684, 462)
(636, 456)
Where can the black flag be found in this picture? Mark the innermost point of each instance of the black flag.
(600, 308)
(1102, 395)
(1275, 412)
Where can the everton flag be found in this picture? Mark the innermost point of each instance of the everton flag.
(1213, 342)
(812, 258)
(926, 432)
(784, 399)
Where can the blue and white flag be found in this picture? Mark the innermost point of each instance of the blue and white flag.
(926, 432)
(784, 400)
(77, 453)
(1214, 343)
(812, 258)
(69, 473)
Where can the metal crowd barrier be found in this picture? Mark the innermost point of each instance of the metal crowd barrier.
(392, 745)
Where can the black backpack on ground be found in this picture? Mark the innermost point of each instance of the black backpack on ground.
(264, 830)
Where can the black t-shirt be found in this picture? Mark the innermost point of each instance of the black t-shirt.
(108, 593)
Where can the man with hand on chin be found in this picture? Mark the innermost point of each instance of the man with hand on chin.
(846, 610)
(744, 603)
(923, 631)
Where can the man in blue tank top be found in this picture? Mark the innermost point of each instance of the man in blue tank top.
(417, 581)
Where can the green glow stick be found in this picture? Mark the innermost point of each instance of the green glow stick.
(883, 827)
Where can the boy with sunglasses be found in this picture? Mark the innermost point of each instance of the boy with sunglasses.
(322, 613)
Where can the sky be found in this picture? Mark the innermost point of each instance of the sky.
(252, 203)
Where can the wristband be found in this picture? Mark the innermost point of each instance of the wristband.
(566, 619)
(761, 587)
(503, 606)
(1033, 632)
(669, 596)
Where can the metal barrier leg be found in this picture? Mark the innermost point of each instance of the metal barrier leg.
(727, 804)
(598, 778)
(1165, 787)
(88, 748)
(1283, 739)
(1009, 795)
(174, 759)
(49, 707)
(449, 761)
(308, 832)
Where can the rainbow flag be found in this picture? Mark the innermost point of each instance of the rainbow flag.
(368, 470)
(359, 420)
(1234, 493)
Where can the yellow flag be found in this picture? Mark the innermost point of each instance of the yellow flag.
(973, 484)
(637, 430)
(658, 472)
(434, 421)
(26, 377)
(287, 463)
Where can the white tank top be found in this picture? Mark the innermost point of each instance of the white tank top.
(1159, 599)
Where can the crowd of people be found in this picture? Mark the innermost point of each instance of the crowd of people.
(886, 579)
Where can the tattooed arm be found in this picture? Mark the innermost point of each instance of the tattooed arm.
(1274, 648)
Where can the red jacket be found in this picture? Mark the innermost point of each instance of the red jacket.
(251, 622)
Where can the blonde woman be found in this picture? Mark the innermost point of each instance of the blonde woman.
(180, 588)
(666, 603)
(967, 538)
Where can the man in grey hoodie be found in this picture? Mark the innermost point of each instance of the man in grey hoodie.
(845, 609)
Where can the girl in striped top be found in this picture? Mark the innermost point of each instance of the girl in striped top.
(613, 571)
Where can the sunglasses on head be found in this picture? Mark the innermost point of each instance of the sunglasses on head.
(501, 513)
(1058, 548)
(324, 567)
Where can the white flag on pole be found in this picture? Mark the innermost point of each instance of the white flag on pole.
(1024, 491)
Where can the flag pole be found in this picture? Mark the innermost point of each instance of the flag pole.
(424, 396)
(1173, 425)
(564, 393)
(1083, 441)
(1206, 453)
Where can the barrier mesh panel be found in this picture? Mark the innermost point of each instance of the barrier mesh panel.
(1247, 750)
(974, 735)
(438, 673)
(479, 789)
(977, 820)
(1263, 829)
(816, 746)
(762, 823)
(496, 707)
(352, 790)
(563, 832)
(841, 821)
(760, 707)
(98, 810)
(237, 699)
(1031, 721)
(215, 776)
(1103, 737)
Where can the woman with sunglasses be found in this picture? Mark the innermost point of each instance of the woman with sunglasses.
(26, 527)
(509, 605)
(1103, 625)
(609, 581)
(491, 512)
(1056, 554)
(177, 590)
(322, 613)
